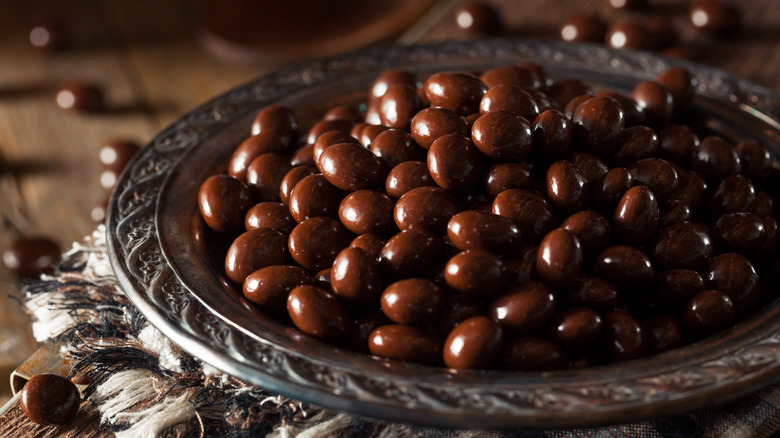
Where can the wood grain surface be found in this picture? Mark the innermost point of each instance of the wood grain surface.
(146, 56)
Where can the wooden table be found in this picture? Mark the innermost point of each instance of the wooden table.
(152, 67)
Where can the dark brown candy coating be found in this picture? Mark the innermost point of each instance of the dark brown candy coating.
(591, 229)
(303, 156)
(478, 18)
(49, 399)
(223, 201)
(314, 196)
(510, 75)
(251, 148)
(328, 139)
(322, 280)
(708, 312)
(674, 212)
(315, 242)
(80, 96)
(407, 176)
(682, 246)
(475, 229)
(634, 143)
(691, 189)
(733, 194)
(714, 16)
(382, 82)
(523, 308)
(431, 123)
(624, 266)
(529, 211)
(425, 208)
(473, 344)
(583, 28)
(367, 211)
(551, 132)
(673, 287)
(663, 333)
(677, 144)
(278, 122)
(295, 175)
(31, 256)
(504, 176)
(622, 337)
(755, 159)
(522, 266)
(607, 191)
(343, 112)
(559, 258)
(370, 243)
(351, 167)
(563, 90)
(715, 159)
(273, 215)
(264, 176)
(318, 313)
(355, 278)
(369, 133)
(408, 253)
(398, 105)
(636, 216)
(742, 233)
(395, 147)
(531, 353)
(476, 272)
(455, 91)
(454, 163)
(596, 124)
(365, 324)
(253, 250)
(628, 33)
(576, 329)
(764, 205)
(657, 174)
(456, 309)
(566, 187)
(591, 167)
(591, 291)
(572, 105)
(324, 126)
(681, 84)
(656, 101)
(502, 135)
(736, 276)
(115, 154)
(633, 114)
(412, 301)
(509, 98)
(406, 343)
(270, 286)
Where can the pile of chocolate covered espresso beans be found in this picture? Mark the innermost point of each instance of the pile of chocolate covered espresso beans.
(498, 220)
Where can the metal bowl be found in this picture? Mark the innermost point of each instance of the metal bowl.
(170, 265)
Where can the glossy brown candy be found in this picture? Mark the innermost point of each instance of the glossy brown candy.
(559, 258)
(431, 123)
(657, 102)
(456, 91)
(253, 250)
(474, 229)
(270, 286)
(691, 189)
(365, 324)
(395, 147)
(280, 122)
(677, 144)
(504, 176)
(328, 139)
(590, 291)
(561, 91)
(591, 229)
(370, 243)
(662, 333)
(473, 344)
(478, 18)
(49, 399)
(351, 167)
(522, 266)
(715, 159)
(633, 114)
(251, 148)
(456, 309)
(622, 338)
(265, 174)
(314, 196)
(657, 174)
(369, 133)
(708, 312)
(318, 313)
(273, 215)
(223, 201)
(596, 124)
(476, 272)
(398, 105)
(407, 176)
(523, 308)
(367, 211)
(343, 112)
(510, 75)
(454, 163)
(764, 205)
(624, 266)
(583, 28)
(509, 98)
(406, 343)
(634, 143)
(741, 232)
(636, 216)
(673, 287)
(531, 353)
(733, 194)
(736, 276)
(31, 256)
(576, 329)
(412, 301)
(315, 242)
(607, 191)
(80, 96)
(529, 211)
(324, 126)
(681, 246)
(355, 278)
(502, 135)
(551, 132)
(755, 159)
(628, 33)
(572, 105)
(566, 187)
(322, 280)
(395, 76)
(591, 167)
(714, 16)
(674, 212)
(304, 156)
(295, 175)
(408, 253)
(681, 84)
(115, 154)
(425, 208)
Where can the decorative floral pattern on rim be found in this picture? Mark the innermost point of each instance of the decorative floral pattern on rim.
(151, 284)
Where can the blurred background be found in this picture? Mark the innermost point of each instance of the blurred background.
(128, 69)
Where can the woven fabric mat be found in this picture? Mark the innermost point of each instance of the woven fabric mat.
(143, 385)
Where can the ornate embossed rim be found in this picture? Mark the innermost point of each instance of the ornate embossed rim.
(160, 281)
